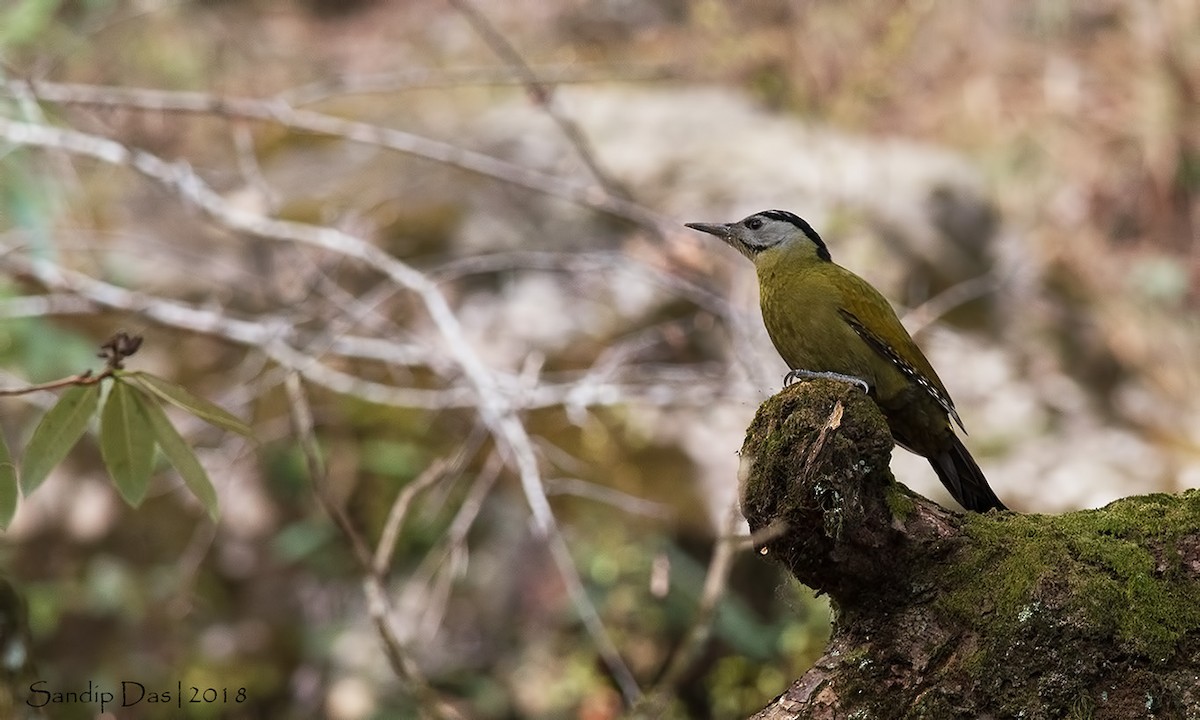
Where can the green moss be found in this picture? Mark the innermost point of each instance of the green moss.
(899, 501)
(931, 706)
(1115, 569)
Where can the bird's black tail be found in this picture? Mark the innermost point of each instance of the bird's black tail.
(962, 477)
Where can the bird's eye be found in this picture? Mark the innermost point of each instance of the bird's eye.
(754, 223)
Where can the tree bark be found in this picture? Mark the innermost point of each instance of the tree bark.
(937, 614)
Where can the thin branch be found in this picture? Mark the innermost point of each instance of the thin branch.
(114, 351)
(403, 664)
(928, 312)
(84, 378)
(395, 519)
(280, 112)
(435, 472)
(304, 429)
(494, 408)
(76, 293)
(716, 582)
(541, 91)
(625, 502)
(63, 303)
(484, 76)
(833, 422)
(471, 506)
(43, 400)
(758, 539)
(261, 332)
(607, 649)
(247, 161)
(444, 560)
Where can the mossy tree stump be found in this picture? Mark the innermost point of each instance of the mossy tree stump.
(939, 614)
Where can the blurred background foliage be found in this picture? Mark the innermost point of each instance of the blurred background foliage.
(1024, 177)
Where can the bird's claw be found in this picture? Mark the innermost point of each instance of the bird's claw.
(796, 375)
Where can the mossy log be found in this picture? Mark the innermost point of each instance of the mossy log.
(941, 614)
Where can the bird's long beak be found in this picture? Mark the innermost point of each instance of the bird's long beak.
(721, 231)
(726, 233)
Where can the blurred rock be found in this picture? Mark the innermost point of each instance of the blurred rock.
(714, 150)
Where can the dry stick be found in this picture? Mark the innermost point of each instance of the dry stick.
(403, 664)
(395, 518)
(493, 407)
(928, 312)
(467, 513)
(716, 581)
(542, 92)
(437, 470)
(273, 335)
(833, 422)
(114, 351)
(453, 542)
(84, 378)
(483, 76)
(270, 335)
(623, 501)
(279, 112)
(760, 537)
(87, 292)
(302, 425)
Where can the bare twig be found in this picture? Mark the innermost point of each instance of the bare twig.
(591, 619)
(716, 581)
(84, 378)
(495, 409)
(114, 351)
(278, 111)
(451, 551)
(468, 512)
(266, 332)
(247, 160)
(391, 528)
(489, 75)
(76, 293)
(64, 303)
(303, 427)
(623, 501)
(758, 539)
(833, 422)
(541, 92)
(928, 312)
(378, 604)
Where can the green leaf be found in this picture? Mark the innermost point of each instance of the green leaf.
(127, 442)
(184, 400)
(57, 433)
(179, 454)
(8, 485)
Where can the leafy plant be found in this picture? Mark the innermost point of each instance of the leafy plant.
(132, 425)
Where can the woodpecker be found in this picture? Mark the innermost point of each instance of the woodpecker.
(828, 322)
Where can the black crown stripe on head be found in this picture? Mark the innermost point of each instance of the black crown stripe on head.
(785, 216)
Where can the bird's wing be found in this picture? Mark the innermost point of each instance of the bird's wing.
(905, 356)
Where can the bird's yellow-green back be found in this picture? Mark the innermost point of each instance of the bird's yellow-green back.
(821, 317)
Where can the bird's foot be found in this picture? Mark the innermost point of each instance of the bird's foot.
(795, 375)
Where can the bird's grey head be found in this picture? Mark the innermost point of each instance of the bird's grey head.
(766, 230)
